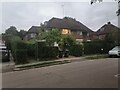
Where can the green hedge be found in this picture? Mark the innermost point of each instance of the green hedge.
(47, 52)
(20, 56)
(19, 52)
(76, 50)
(95, 47)
(31, 50)
(43, 51)
(92, 47)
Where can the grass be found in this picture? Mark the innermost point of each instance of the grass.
(98, 56)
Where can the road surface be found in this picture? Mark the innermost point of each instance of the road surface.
(80, 74)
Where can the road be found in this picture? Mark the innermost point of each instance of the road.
(80, 74)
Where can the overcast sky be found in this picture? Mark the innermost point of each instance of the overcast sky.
(23, 15)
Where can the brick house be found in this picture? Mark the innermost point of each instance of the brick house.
(70, 26)
(104, 30)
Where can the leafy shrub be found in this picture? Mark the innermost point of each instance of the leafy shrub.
(19, 51)
(20, 56)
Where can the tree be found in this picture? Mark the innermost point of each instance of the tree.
(11, 31)
(42, 34)
(9, 34)
(52, 36)
(67, 42)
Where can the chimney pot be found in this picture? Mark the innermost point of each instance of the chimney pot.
(109, 22)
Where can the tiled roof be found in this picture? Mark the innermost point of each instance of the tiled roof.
(107, 28)
(34, 29)
(67, 23)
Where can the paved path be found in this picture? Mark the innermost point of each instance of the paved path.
(84, 74)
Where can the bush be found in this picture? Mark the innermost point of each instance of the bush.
(47, 52)
(19, 52)
(20, 56)
(76, 50)
(31, 50)
(43, 51)
(51, 52)
(92, 47)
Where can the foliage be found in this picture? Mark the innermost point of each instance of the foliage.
(19, 51)
(93, 47)
(53, 36)
(20, 56)
(11, 31)
(43, 51)
(31, 50)
(97, 47)
(9, 39)
(42, 35)
(76, 50)
(69, 40)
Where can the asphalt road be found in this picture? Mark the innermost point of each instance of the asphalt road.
(84, 74)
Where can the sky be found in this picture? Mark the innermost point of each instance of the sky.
(23, 15)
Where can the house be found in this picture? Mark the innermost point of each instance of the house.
(104, 30)
(69, 25)
(32, 32)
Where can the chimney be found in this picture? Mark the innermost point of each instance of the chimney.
(109, 23)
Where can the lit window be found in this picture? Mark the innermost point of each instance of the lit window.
(65, 31)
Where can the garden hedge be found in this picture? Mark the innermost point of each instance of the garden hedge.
(97, 47)
(19, 52)
(76, 50)
(43, 51)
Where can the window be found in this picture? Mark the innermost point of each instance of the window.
(88, 34)
(79, 33)
(32, 35)
(102, 29)
(65, 31)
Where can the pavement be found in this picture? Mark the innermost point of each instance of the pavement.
(7, 66)
(101, 73)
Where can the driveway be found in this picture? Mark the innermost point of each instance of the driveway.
(85, 74)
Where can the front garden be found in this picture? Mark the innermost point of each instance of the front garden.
(42, 48)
